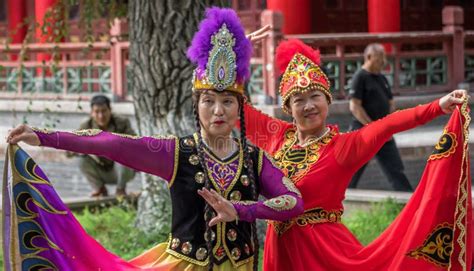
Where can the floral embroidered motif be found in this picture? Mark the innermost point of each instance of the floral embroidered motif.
(281, 203)
(437, 248)
(290, 186)
(295, 162)
(87, 132)
(445, 147)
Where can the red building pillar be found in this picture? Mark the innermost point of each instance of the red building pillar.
(296, 14)
(43, 8)
(384, 15)
(16, 22)
(16, 19)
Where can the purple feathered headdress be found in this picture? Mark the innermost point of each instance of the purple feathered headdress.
(221, 52)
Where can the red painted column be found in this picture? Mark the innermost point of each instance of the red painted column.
(296, 14)
(43, 7)
(16, 22)
(384, 15)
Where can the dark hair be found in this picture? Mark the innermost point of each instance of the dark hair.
(100, 100)
(248, 164)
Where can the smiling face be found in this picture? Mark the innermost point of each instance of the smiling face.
(218, 112)
(309, 109)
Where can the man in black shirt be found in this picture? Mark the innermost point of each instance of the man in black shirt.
(370, 100)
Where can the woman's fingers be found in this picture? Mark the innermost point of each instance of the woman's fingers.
(259, 34)
(263, 29)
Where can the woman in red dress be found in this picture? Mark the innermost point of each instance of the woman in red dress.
(431, 233)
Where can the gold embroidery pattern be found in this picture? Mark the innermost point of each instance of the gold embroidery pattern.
(87, 132)
(445, 147)
(243, 202)
(281, 203)
(295, 162)
(224, 193)
(311, 216)
(260, 161)
(462, 203)
(290, 186)
(437, 247)
(42, 130)
(127, 136)
(176, 159)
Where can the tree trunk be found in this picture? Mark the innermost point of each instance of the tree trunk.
(160, 80)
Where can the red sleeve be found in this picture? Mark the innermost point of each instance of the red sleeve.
(356, 148)
(262, 130)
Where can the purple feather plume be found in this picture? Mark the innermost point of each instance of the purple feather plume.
(201, 45)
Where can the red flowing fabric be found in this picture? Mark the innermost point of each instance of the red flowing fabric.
(433, 231)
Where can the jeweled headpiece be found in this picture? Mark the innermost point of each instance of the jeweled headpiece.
(221, 52)
(299, 64)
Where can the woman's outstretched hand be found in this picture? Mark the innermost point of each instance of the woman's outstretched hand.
(259, 34)
(224, 208)
(448, 102)
(23, 133)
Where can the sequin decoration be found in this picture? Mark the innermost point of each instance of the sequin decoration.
(201, 254)
(189, 142)
(232, 235)
(213, 236)
(245, 180)
(175, 243)
(247, 249)
(199, 177)
(186, 248)
(235, 195)
(235, 254)
(193, 160)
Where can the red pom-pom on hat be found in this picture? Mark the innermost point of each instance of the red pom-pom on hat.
(288, 48)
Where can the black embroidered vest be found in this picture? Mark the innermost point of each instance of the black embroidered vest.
(230, 240)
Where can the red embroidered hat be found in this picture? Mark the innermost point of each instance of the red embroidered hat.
(299, 64)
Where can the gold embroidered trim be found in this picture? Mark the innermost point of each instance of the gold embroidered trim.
(290, 186)
(462, 202)
(243, 202)
(42, 130)
(295, 163)
(311, 216)
(260, 161)
(281, 203)
(87, 132)
(176, 161)
(437, 247)
(445, 147)
(127, 136)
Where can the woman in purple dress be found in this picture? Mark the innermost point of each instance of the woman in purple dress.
(214, 178)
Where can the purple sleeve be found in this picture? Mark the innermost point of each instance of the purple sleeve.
(154, 155)
(283, 198)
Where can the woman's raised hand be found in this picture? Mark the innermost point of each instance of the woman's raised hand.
(224, 208)
(23, 133)
(259, 34)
